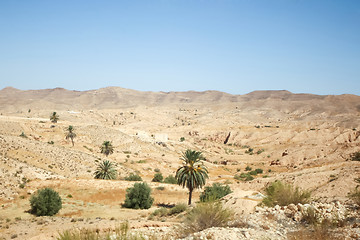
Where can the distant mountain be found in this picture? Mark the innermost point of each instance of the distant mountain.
(116, 97)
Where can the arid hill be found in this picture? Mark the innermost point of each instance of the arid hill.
(116, 97)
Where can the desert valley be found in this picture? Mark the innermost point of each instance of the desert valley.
(302, 139)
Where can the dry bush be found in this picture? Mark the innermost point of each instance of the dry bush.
(283, 194)
(206, 215)
(355, 195)
(322, 232)
(120, 233)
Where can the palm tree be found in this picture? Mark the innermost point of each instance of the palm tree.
(192, 174)
(106, 148)
(70, 134)
(105, 170)
(54, 117)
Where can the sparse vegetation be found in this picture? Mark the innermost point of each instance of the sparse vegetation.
(119, 233)
(248, 168)
(214, 192)
(163, 212)
(158, 177)
(192, 174)
(278, 193)
(105, 170)
(182, 139)
(318, 232)
(139, 196)
(133, 177)
(206, 215)
(45, 202)
(107, 148)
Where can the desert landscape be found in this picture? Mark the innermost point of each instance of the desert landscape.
(303, 139)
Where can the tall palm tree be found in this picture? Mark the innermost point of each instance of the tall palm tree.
(70, 134)
(54, 117)
(105, 170)
(192, 174)
(106, 148)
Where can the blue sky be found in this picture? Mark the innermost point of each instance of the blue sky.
(235, 46)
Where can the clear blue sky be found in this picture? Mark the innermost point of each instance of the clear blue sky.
(235, 46)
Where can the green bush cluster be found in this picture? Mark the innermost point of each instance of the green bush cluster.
(214, 192)
(133, 177)
(283, 194)
(170, 180)
(158, 177)
(139, 196)
(45, 202)
(244, 177)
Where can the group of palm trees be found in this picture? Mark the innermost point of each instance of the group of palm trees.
(192, 174)
(70, 134)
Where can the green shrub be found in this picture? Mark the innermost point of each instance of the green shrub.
(45, 202)
(158, 177)
(253, 173)
(182, 139)
(216, 191)
(278, 193)
(250, 150)
(259, 170)
(355, 156)
(170, 180)
(133, 177)
(260, 151)
(161, 212)
(248, 168)
(179, 208)
(138, 196)
(206, 215)
(156, 170)
(23, 135)
(244, 177)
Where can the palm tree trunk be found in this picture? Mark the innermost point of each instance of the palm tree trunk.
(72, 140)
(190, 194)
